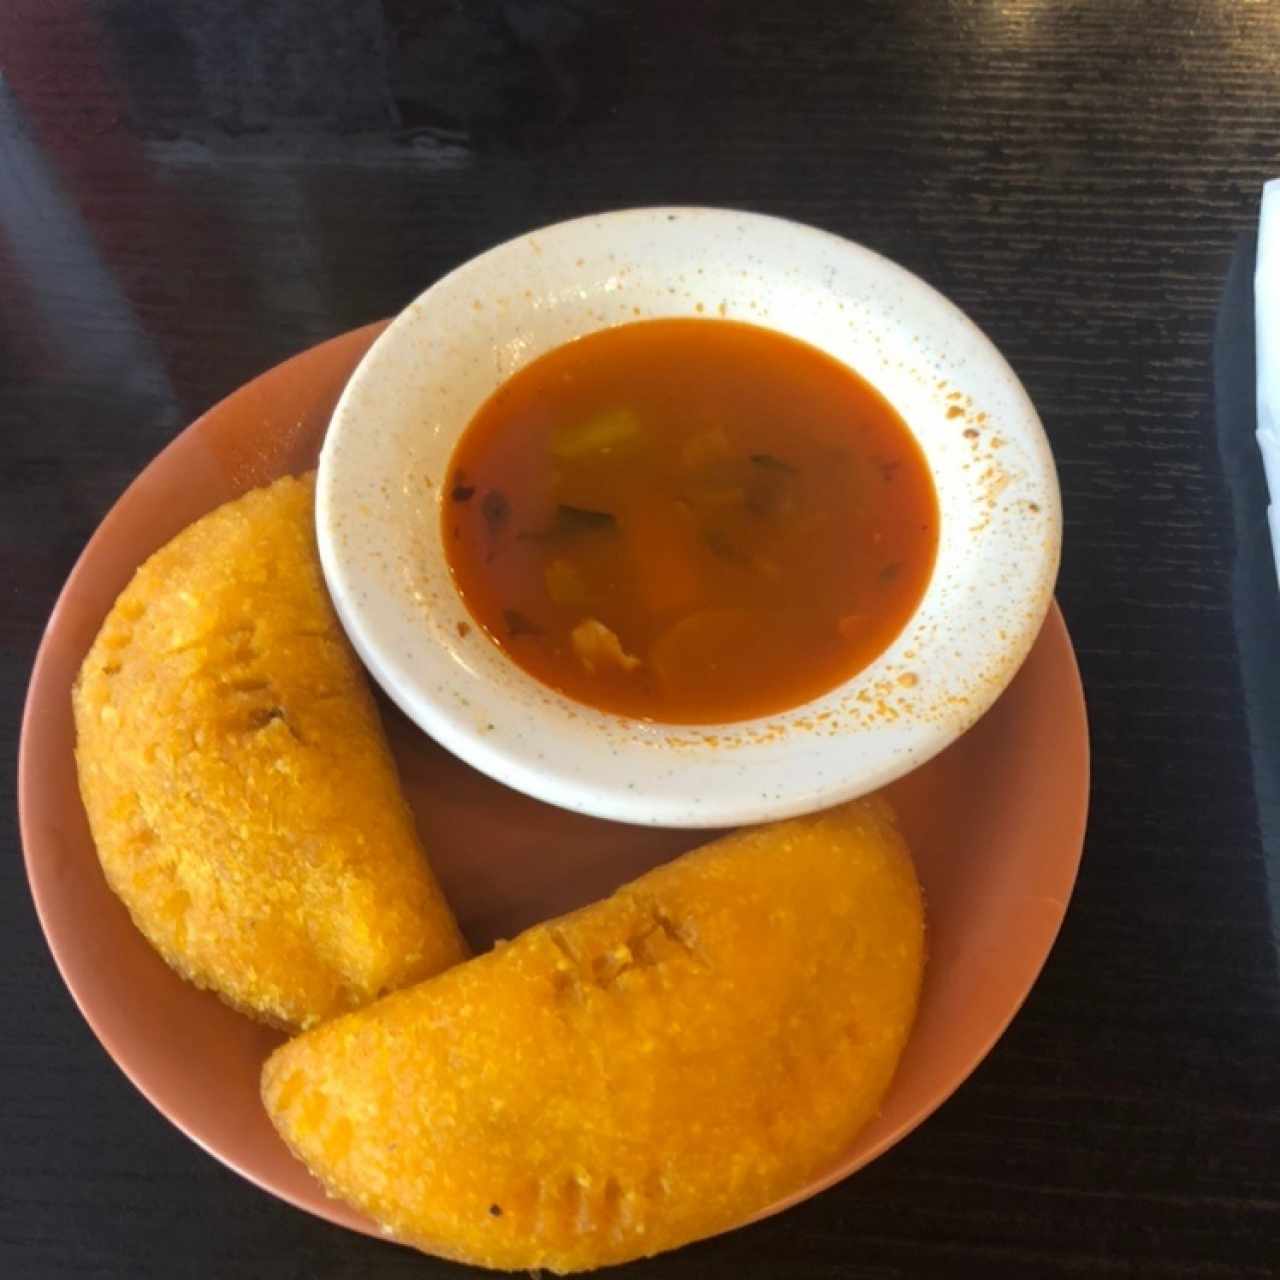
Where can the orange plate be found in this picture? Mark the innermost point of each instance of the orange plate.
(996, 824)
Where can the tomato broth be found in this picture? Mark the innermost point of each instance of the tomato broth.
(690, 521)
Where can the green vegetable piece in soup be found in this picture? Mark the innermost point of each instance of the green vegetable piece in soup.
(601, 433)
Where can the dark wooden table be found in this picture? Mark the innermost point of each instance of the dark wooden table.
(193, 190)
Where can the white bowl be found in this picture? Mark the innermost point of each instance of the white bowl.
(384, 460)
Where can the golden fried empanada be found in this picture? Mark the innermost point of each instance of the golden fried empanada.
(651, 1069)
(238, 783)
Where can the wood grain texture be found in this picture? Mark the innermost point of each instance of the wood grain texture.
(190, 192)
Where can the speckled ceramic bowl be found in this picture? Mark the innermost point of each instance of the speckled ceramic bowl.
(394, 429)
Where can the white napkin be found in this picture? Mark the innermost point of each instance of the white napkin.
(1266, 305)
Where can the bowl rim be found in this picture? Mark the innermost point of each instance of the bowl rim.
(656, 805)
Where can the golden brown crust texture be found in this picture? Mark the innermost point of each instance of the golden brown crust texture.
(646, 1071)
(238, 783)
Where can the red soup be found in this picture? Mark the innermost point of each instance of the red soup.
(690, 521)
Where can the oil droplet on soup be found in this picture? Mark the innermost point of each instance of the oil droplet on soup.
(690, 521)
